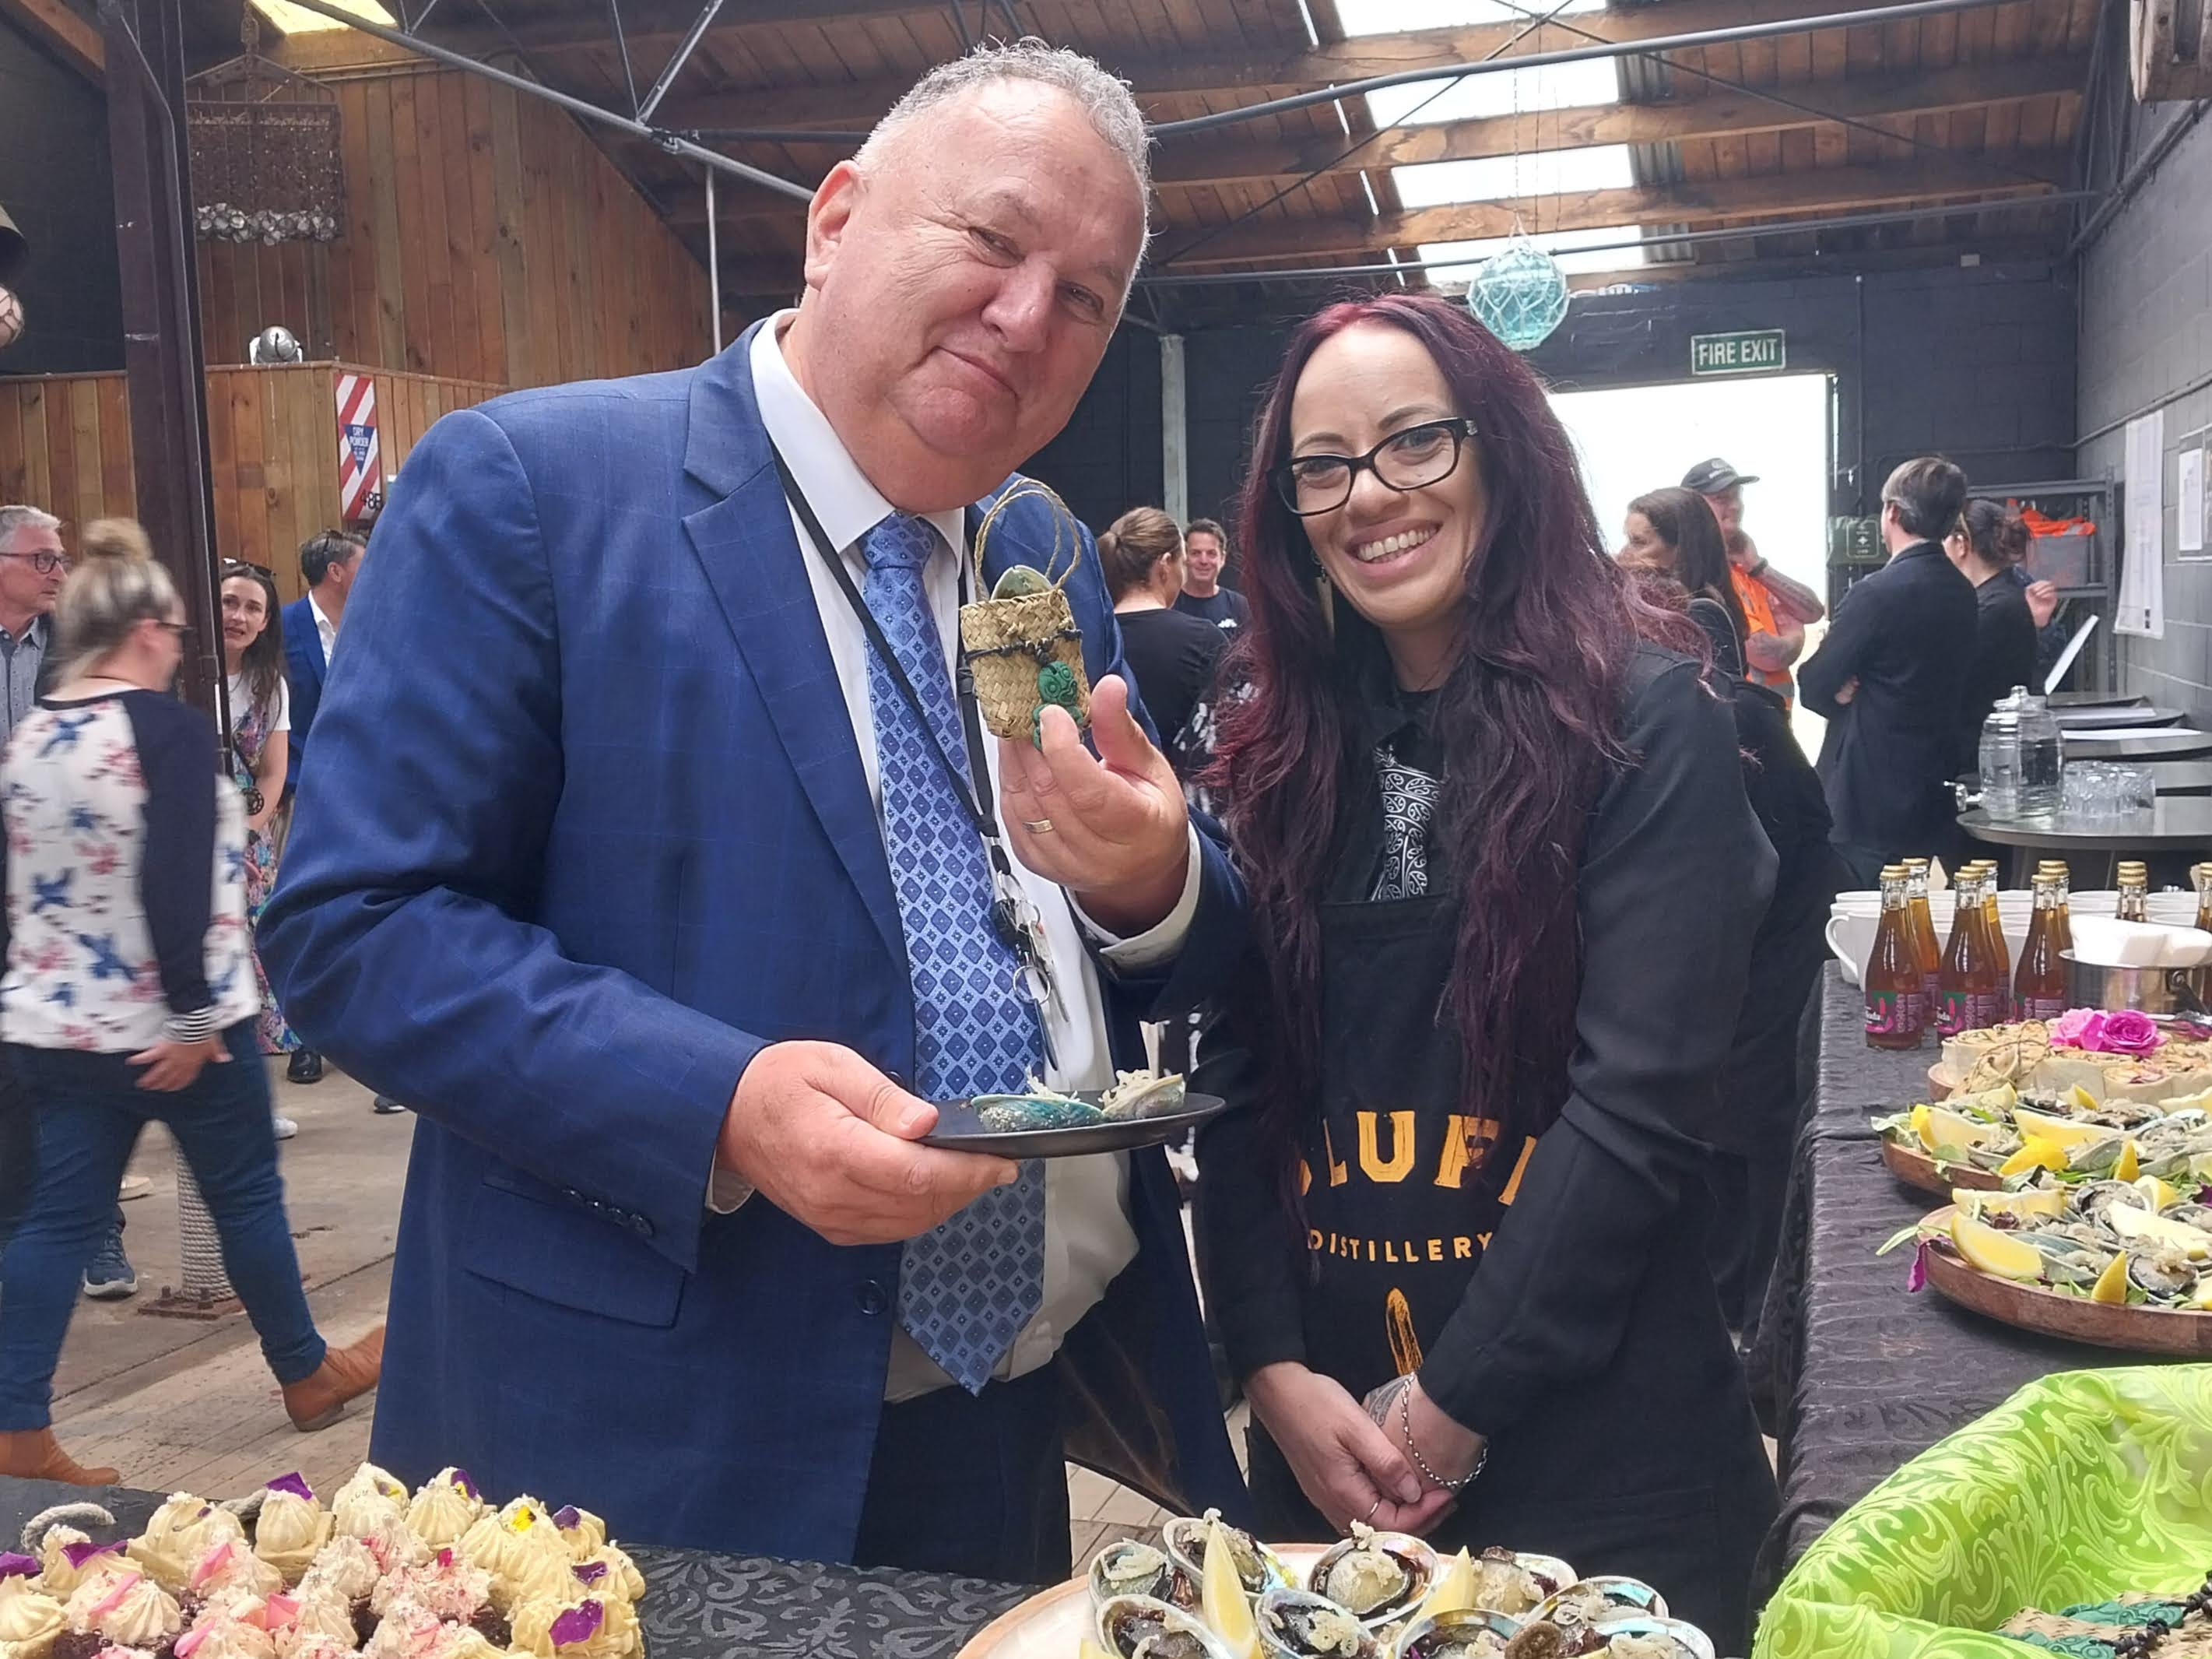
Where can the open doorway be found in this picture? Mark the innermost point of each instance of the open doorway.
(1775, 427)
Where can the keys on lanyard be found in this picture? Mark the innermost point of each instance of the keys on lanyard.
(1021, 930)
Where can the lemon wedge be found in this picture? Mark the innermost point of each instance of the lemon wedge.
(2111, 1286)
(1995, 1252)
(1937, 1126)
(2127, 1166)
(2156, 1193)
(2131, 1225)
(2200, 1301)
(2059, 1131)
(2036, 1200)
(1453, 1592)
(1088, 1648)
(2035, 1153)
(1221, 1601)
(2080, 1099)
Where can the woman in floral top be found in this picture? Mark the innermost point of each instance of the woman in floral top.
(129, 994)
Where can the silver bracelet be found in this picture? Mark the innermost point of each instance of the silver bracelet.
(1405, 1432)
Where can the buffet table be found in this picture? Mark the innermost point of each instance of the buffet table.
(708, 1607)
(1854, 1375)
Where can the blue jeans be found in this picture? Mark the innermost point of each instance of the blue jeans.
(89, 1110)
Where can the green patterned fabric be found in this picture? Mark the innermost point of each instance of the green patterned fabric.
(2083, 1486)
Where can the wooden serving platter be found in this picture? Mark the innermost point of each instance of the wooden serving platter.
(2032, 1308)
(1051, 1624)
(1916, 1167)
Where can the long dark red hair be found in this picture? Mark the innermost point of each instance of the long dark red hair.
(1526, 717)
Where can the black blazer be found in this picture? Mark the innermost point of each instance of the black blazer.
(1906, 633)
(2004, 656)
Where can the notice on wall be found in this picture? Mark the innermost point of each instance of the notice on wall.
(2141, 606)
(2188, 508)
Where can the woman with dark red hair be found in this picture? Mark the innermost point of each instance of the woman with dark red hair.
(1503, 881)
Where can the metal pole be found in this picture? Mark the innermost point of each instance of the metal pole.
(713, 264)
(621, 46)
(164, 368)
(675, 64)
(1730, 36)
(2148, 163)
(577, 106)
(1849, 222)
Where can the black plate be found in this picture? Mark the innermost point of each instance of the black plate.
(959, 1129)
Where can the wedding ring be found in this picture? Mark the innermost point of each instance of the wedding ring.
(1373, 1510)
(1037, 826)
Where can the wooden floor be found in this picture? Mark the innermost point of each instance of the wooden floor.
(187, 1406)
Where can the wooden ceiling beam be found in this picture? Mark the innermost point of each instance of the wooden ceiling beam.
(1949, 187)
(1250, 71)
(1833, 189)
(1722, 114)
(61, 30)
(662, 24)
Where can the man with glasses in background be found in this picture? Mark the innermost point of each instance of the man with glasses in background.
(33, 568)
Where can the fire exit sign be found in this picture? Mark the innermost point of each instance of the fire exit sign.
(1754, 351)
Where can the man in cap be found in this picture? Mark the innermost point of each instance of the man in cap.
(1776, 608)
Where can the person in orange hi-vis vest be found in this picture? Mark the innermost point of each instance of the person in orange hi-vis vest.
(1775, 608)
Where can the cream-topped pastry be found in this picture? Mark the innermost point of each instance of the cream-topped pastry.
(126, 1606)
(179, 1535)
(29, 1617)
(233, 1566)
(227, 1639)
(609, 1570)
(584, 1627)
(445, 1507)
(67, 1558)
(580, 1530)
(445, 1585)
(291, 1527)
(345, 1565)
(319, 1614)
(315, 1645)
(538, 1576)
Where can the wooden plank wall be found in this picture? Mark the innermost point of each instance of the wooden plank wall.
(486, 239)
(272, 440)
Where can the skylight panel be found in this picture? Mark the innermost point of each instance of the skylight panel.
(1391, 16)
(298, 19)
(1500, 92)
(1508, 178)
(1558, 243)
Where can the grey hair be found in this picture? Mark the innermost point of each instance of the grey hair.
(1106, 99)
(13, 518)
(115, 586)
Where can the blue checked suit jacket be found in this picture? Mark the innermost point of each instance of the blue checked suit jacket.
(589, 829)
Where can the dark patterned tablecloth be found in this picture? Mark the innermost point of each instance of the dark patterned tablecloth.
(712, 1606)
(1854, 1375)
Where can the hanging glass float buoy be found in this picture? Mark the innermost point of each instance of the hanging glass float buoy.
(1520, 294)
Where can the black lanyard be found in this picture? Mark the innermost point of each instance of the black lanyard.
(1005, 920)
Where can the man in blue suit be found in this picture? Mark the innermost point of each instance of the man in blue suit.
(642, 859)
(330, 563)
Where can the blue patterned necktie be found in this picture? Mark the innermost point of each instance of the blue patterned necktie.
(967, 1288)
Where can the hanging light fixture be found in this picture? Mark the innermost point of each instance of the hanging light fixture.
(1520, 294)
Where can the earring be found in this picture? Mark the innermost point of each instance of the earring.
(1325, 591)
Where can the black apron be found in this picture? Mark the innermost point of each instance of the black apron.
(1654, 1467)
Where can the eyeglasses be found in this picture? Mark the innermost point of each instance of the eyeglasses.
(182, 630)
(1419, 455)
(43, 563)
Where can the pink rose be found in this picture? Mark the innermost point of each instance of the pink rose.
(2131, 1032)
(2078, 1028)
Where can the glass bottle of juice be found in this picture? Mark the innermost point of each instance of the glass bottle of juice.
(1998, 948)
(2135, 892)
(1973, 993)
(2039, 989)
(1896, 1005)
(1925, 945)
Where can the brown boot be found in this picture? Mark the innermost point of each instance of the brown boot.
(32, 1454)
(318, 1401)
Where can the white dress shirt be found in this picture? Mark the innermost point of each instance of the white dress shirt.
(1088, 1238)
(325, 630)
